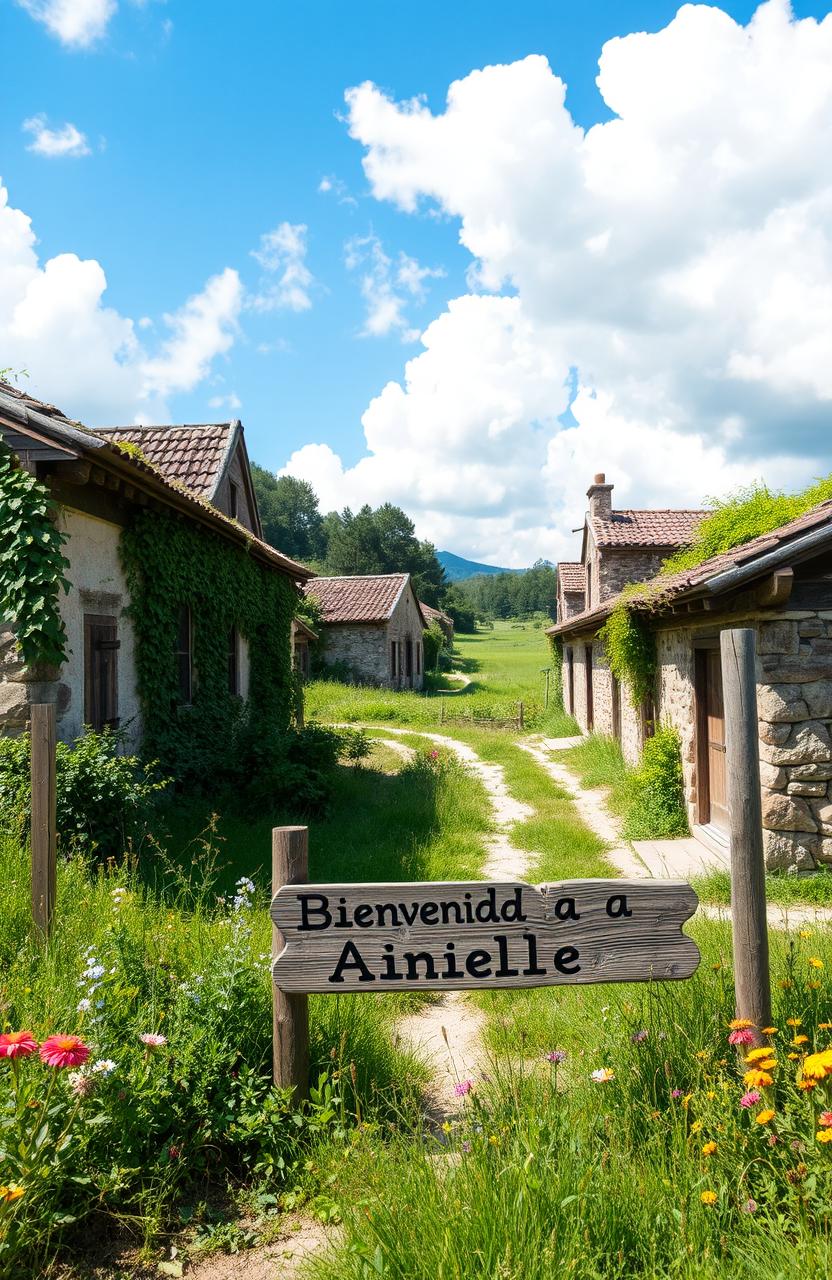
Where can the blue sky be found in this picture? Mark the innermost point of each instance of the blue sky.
(209, 126)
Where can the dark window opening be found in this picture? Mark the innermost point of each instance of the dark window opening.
(101, 646)
(418, 658)
(183, 656)
(408, 659)
(394, 659)
(233, 661)
(233, 499)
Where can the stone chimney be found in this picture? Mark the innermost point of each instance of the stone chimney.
(600, 497)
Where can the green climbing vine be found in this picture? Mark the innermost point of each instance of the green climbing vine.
(32, 564)
(630, 645)
(215, 738)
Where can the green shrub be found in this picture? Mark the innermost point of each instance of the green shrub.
(103, 798)
(630, 648)
(656, 807)
(433, 642)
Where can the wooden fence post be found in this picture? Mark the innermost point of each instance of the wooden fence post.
(290, 1020)
(748, 875)
(520, 717)
(43, 834)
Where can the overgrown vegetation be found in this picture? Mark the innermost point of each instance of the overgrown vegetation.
(32, 564)
(630, 646)
(649, 798)
(746, 513)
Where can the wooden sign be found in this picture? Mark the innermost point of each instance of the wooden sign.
(476, 934)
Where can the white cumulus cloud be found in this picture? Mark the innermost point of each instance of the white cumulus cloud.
(282, 254)
(673, 263)
(65, 141)
(387, 285)
(84, 355)
(76, 23)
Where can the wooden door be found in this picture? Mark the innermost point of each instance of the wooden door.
(712, 790)
(101, 645)
(590, 714)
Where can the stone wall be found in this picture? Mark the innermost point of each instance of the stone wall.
(360, 646)
(406, 624)
(676, 701)
(631, 725)
(620, 566)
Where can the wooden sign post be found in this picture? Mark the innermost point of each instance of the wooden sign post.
(43, 830)
(290, 1035)
(752, 981)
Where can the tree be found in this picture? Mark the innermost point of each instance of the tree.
(382, 541)
(289, 511)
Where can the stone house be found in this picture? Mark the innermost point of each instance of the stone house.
(100, 480)
(779, 584)
(372, 624)
(303, 638)
(444, 621)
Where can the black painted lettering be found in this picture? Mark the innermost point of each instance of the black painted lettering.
(478, 963)
(504, 971)
(392, 910)
(412, 959)
(617, 906)
(446, 909)
(307, 911)
(565, 960)
(534, 969)
(429, 912)
(486, 911)
(565, 909)
(452, 969)
(512, 911)
(351, 958)
(391, 974)
(363, 915)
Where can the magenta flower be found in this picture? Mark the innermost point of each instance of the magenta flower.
(638, 1037)
(750, 1099)
(556, 1056)
(742, 1036)
(675, 1093)
(463, 1087)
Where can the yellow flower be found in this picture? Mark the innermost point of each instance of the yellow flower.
(703, 1053)
(805, 933)
(824, 1135)
(709, 1149)
(800, 1040)
(740, 1024)
(696, 1126)
(817, 1066)
(807, 1084)
(763, 1117)
(816, 962)
(769, 1031)
(757, 1055)
(11, 1193)
(710, 1197)
(794, 1022)
(686, 1100)
(757, 1079)
(784, 984)
(494, 1140)
(793, 1057)
(825, 1026)
(447, 1127)
(710, 1095)
(813, 985)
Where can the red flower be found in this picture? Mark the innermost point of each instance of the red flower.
(64, 1051)
(16, 1044)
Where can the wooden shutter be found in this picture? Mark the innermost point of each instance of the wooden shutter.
(101, 646)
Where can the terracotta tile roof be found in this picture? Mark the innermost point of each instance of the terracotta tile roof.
(371, 598)
(31, 402)
(645, 528)
(667, 588)
(192, 454)
(429, 612)
(572, 576)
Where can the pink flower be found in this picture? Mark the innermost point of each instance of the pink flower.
(152, 1040)
(434, 755)
(81, 1085)
(16, 1044)
(741, 1036)
(675, 1093)
(750, 1099)
(750, 1206)
(464, 1086)
(825, 1119)
(63, 1051)
(556, 1056)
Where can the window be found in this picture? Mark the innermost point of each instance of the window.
(394, 656)
(101, 646)
(418, 658)
(183, 655)
(233, 661)
(233, 499)
(408, 658)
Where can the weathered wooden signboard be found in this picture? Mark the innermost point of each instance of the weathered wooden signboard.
(475, 935)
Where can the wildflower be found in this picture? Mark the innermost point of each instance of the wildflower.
(434, 755)
(174, 1152)
(152, 1040)
(12, 1192)
(769, 1031)
(757, 1078)
(447, 1127)
(750, 1206)
(825, 1119)
(750, 1098)
(807, 1084)
(825, 1026)
(702, 1054)
(638, 1037)
(816, 962)
(556, 1056)
(794, 1022)
(93, 972)
(83, 1006)
(824, 1135)
(494, 1140)
(709, 1148)
(784, 984)
(813, 985)
(104, 1067)
(81, 1084)
(696, 1126)
(603, 1075)
(64, 1051)
(709, 1198)
(741, 1036)
(763, 1117)
(676, 1093)
(686, 1100)
(739, 1024)
(773, 1139)
(710, 1095)
(800, 1040)
(817, 1066)
(793, 1057)
(805, 933)
(466, 1147)
(17, 1044)
(463, 1087)
(758, 1055)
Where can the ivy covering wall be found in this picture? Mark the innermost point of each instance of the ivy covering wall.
(170, 563)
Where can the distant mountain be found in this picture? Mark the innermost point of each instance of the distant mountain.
(457, 568)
